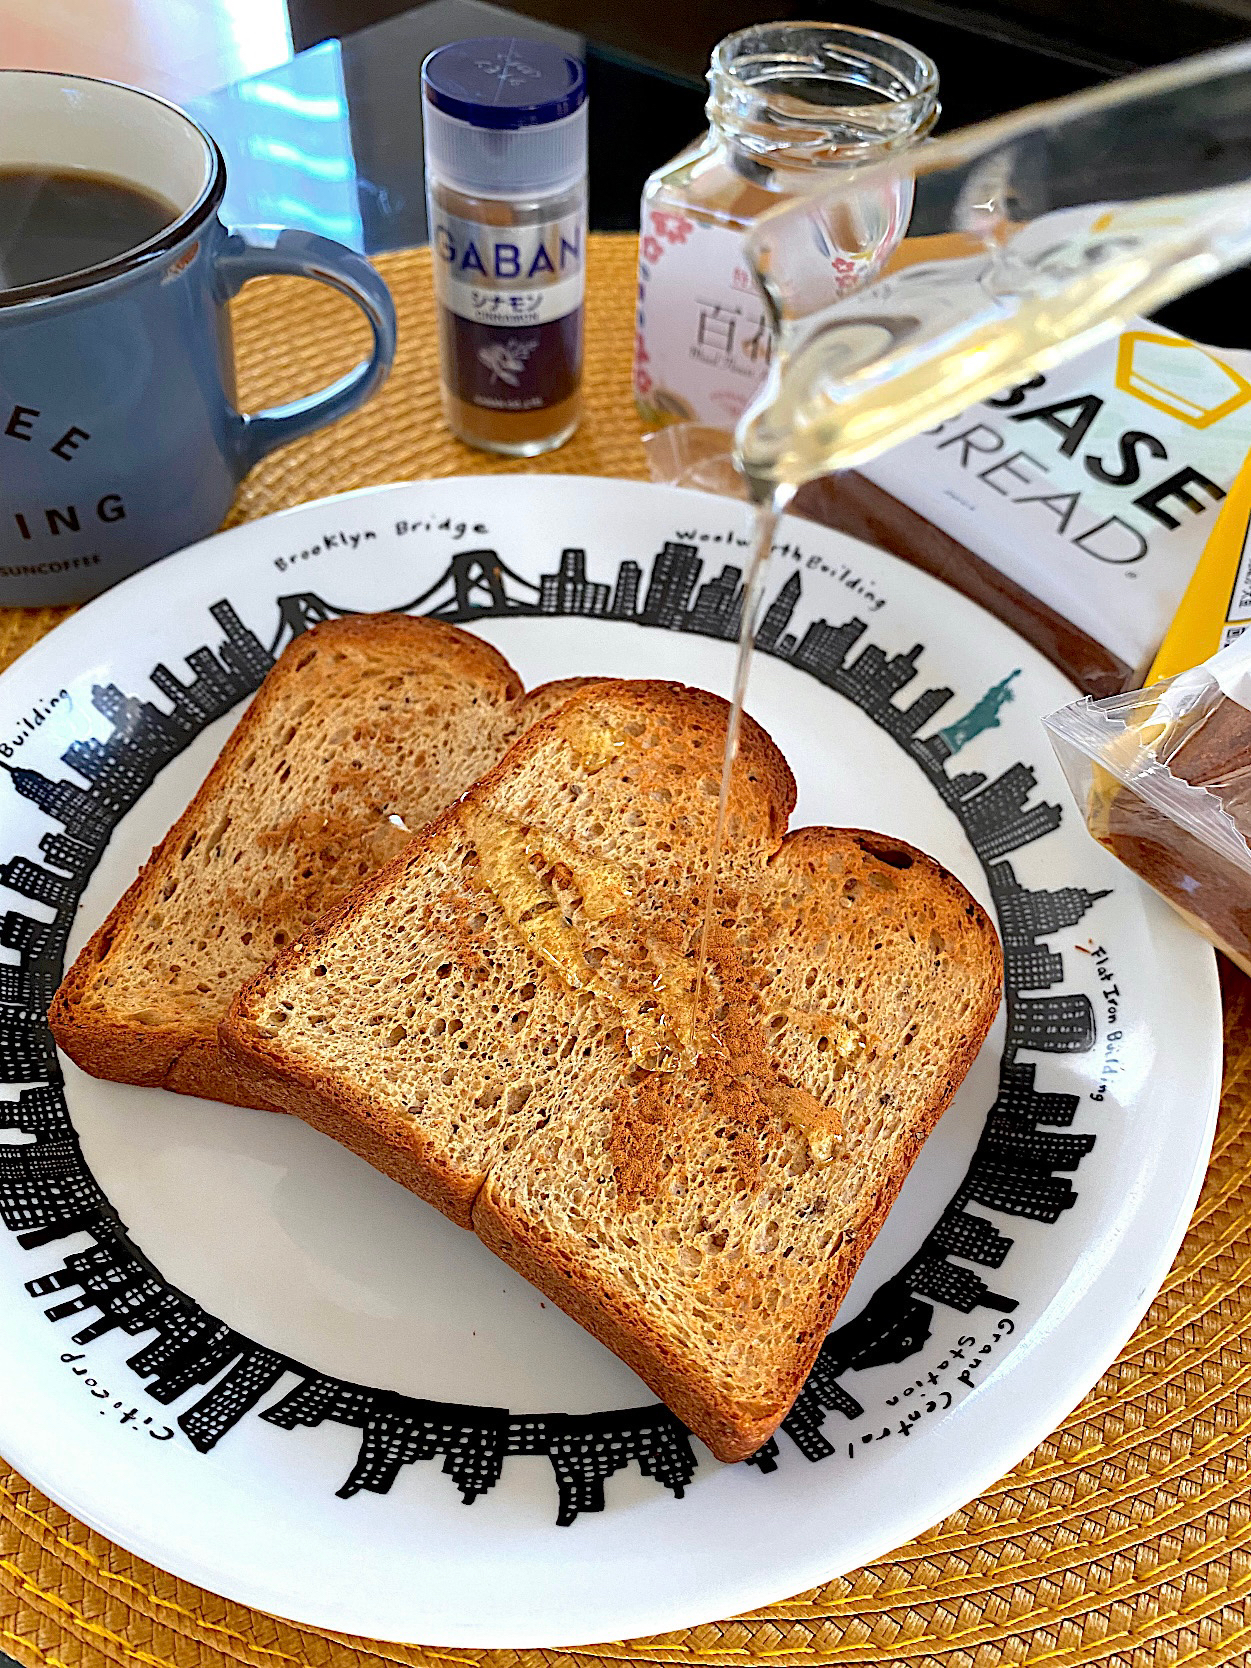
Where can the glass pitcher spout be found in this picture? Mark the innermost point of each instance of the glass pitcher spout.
(1031, 237)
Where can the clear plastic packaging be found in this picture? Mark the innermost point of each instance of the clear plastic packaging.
(1163, 779)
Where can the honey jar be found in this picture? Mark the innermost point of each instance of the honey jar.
(790, 105)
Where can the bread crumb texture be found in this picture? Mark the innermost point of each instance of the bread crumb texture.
(512, 1002)
(366, 729)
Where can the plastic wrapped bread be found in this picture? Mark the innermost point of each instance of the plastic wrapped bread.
(1163, 778)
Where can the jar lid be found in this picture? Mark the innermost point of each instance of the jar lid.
(501, 81)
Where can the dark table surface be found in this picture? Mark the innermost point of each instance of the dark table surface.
(331, 141)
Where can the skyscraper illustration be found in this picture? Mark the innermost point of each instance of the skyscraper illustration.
(673, 576)
(975, 1238)
(1044, 1148)
(778, 615)
(76, 809)
(26, 1049)
(45, 1187)
(1026, 914)
(47, 1192)
(824, 648)
(953, 1284)
(625, 599)
(1052, 1024)
(998, 817)
(876, 679)
(1032, 966)
(964, 782)
(32, 880)
(1020, 1099)
(922, 710)
(718, 605)
(63, 851)
(28, 985)
(1018, 1190)
(569, 591)
(241, 652)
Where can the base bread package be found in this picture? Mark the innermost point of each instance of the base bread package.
(1163, 778)
(1074, 506)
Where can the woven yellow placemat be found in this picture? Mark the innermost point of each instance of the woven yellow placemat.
(1124, 1539)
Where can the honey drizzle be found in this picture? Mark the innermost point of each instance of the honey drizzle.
(658, 1024)
(765, 517)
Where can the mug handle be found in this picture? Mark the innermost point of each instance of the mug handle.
(256, 251)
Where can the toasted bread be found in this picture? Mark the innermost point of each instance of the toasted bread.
(506, 1020)
(365, 729)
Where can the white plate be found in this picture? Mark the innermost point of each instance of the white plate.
(276, 1318)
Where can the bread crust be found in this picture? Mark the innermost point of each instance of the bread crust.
(334, 1105)
(184, 1055)
(731, 1429)
(733, 1432)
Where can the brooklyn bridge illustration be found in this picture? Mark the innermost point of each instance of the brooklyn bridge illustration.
(1021, 1167)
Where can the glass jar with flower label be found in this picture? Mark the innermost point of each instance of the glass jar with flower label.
(789, 104)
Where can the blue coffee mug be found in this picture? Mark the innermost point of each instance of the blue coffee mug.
(119, 436)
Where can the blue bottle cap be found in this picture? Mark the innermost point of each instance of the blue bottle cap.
(504, 82)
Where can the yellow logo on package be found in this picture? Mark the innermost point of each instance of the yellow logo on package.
(1216, 607)
(1179, 378)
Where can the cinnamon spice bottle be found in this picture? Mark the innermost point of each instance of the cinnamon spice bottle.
(505, 142)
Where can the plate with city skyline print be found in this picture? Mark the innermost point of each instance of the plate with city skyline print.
(244, 1355)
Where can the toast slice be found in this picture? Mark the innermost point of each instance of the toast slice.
(505, 1019)
(365, 729)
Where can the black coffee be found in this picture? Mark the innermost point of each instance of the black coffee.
(54, 222)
